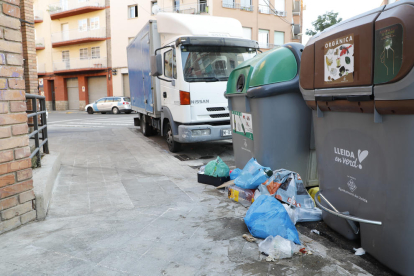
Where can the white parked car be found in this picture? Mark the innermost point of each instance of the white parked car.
(115, 105)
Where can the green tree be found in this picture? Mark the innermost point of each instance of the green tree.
(323, 22)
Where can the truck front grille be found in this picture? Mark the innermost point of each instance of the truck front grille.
(220, 115)
(215, 108)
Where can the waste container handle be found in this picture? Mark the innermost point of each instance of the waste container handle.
(336, 213)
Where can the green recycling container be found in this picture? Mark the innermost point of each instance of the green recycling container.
(270, 121)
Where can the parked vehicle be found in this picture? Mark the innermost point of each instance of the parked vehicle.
(115, 105)
(178, 69)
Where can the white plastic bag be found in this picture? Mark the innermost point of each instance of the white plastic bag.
(277, 247)
(305, 214)
(292, 212)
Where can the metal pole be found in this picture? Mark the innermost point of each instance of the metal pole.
(44, 123)
(36, 127)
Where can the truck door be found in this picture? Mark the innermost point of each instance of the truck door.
(169, 97)
(146, 78)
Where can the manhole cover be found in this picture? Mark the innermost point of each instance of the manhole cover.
(182, 157)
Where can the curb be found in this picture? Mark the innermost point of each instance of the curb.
(43, 182)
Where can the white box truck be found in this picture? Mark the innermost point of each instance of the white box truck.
(178, 69)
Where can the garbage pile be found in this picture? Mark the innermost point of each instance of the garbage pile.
(277, 200)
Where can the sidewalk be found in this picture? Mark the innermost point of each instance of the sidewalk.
(124, 206)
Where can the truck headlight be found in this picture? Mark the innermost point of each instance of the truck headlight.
(201, 132)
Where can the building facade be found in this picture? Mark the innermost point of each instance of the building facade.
(81, 44)
(73, 51)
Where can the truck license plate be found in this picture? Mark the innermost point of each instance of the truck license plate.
(226, 132)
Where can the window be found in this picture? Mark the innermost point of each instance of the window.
(101, 100)
(117, 100)
(133, 11)
(127, 99)
(279, 38)
(176, 5)
(83, 53)
(246, 3)
(130, 39)
(153, 3)
(170, 68)
(96, 52)
(247, 33)
(109, 100)
(83, 25)
(94, 23)
(280, 5)
(264, 38)
(228, 4)
(65, 55)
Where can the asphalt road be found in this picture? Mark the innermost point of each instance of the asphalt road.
(194, 155)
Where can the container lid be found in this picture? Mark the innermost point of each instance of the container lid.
(274, 66)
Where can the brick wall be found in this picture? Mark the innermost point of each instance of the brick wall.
(16, 184)
(29, 46)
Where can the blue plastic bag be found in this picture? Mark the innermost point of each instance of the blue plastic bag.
(235, 173)
(267, 217)
(247, 180)
(252, 176)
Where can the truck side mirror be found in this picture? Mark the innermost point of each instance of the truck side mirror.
(156, 65)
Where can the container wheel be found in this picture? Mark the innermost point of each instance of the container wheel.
(115, 110)
(145, 127)
(173, 146)
(90, 110)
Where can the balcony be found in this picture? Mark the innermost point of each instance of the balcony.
(38, 16)
(296, 8)
(193, 8)
(41, 69)
(40, 43)
(66, 8)
(265, 9)
(237, 6)
(76, 36)
(76, 65)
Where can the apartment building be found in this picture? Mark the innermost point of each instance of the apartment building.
(73, 51)
(81, 44)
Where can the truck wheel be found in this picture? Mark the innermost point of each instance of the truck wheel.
(145, 127)
(115, 110)
(90, 110)
(173, 146)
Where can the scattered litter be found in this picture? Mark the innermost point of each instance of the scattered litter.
(249, 238)
(243, 196)
(257, 194)
(315, 231)
(235, 173)
(292, 213)
(252, 175)
(226, 184)
(270, 259)
(303, 250)
(277, 248)
(267, 217)
(310, 252)
(359, 251)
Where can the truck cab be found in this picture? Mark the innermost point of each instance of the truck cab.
(191, 59)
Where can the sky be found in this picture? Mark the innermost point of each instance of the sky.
(346, 9)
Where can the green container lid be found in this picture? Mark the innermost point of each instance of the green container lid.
(277, 65)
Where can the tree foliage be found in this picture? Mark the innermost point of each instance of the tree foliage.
(323, 22)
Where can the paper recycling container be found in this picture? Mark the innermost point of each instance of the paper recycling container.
(270, 120)
(358, 79)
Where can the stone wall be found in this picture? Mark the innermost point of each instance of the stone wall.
(16, 184)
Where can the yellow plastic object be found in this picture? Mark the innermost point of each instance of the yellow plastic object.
(312, 193)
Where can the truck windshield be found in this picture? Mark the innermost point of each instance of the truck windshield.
(212, 63)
